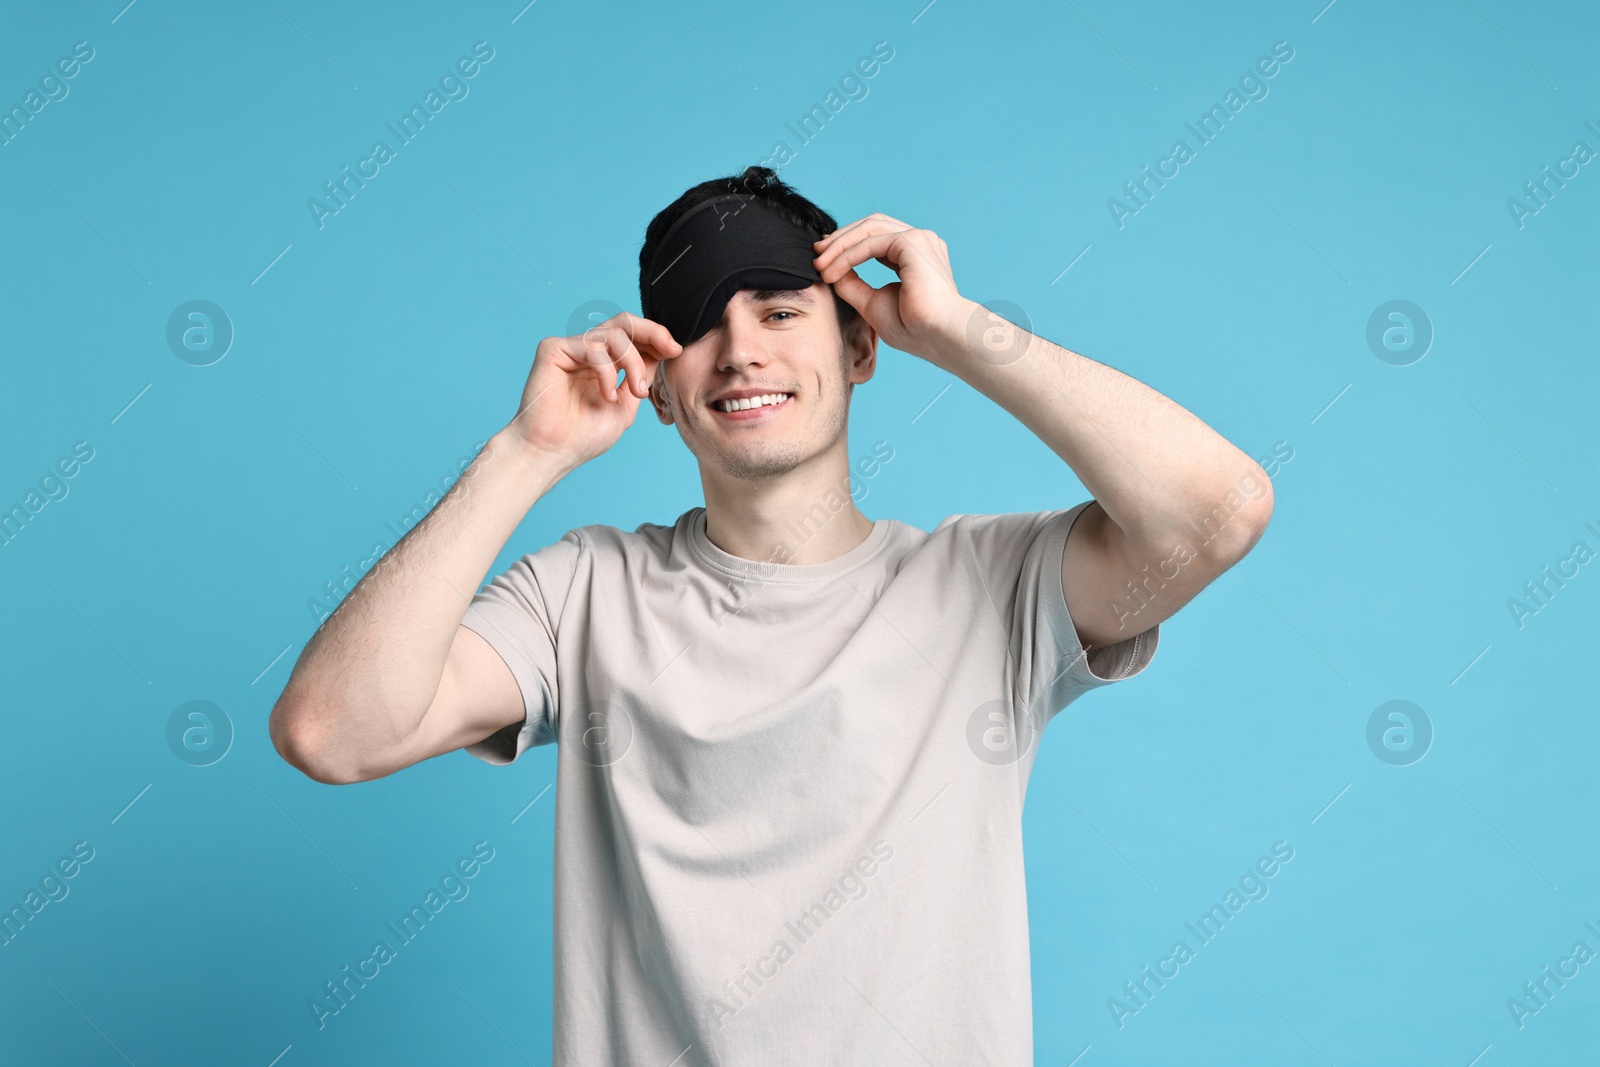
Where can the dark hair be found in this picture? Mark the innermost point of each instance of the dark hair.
(761, 182)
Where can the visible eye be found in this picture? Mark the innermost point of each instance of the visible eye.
(789, 313)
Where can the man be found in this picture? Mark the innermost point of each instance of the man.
(794, 742)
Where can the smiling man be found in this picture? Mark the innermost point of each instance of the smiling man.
(793, 741)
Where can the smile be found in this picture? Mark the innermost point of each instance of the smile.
(751, 407)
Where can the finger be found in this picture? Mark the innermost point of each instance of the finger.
(648, 333)
(909, 250)
(850, 232)
(877, 222)
(609, 347)
(595, 351)
(648, 336)
(874, 228)
(892, 222)
(854, 290)
(828, 238)
(628, 357)
(884, 247)
(582, 354)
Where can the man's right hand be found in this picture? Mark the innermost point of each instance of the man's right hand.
(572, 407)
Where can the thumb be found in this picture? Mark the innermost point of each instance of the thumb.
(854, 291)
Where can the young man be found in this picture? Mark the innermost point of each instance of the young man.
(794, 742)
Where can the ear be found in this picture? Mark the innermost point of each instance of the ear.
(659, 397)
(861, 349)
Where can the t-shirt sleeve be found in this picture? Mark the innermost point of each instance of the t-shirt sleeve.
(519, 613)
(1018, 557)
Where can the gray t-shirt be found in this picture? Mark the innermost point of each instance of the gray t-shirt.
(789, 797)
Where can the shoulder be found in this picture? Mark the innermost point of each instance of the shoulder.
(648, 538)
(1017, 530)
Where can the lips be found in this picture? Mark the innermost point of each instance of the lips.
(748, 414)
(748, 394)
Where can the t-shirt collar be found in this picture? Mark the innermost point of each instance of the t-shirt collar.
(694, 522)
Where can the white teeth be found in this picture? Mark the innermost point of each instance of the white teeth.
(746, 403)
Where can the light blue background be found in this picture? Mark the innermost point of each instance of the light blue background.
(377, 351)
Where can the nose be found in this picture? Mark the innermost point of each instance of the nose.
(740, 345)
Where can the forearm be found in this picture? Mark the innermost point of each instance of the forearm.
(368, 675)
(1153, 466)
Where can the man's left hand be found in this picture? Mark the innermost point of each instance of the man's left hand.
(922, 313)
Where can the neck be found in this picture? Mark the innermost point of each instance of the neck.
(802, 517)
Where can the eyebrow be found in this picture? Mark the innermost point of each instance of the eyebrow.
(798, 296)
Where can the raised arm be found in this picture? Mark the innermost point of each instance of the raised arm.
(392, 677)
(1175, 503)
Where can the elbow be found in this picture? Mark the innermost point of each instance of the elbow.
(1252, 526)
(1259, 514)
(1245, 512)
(300, 741)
